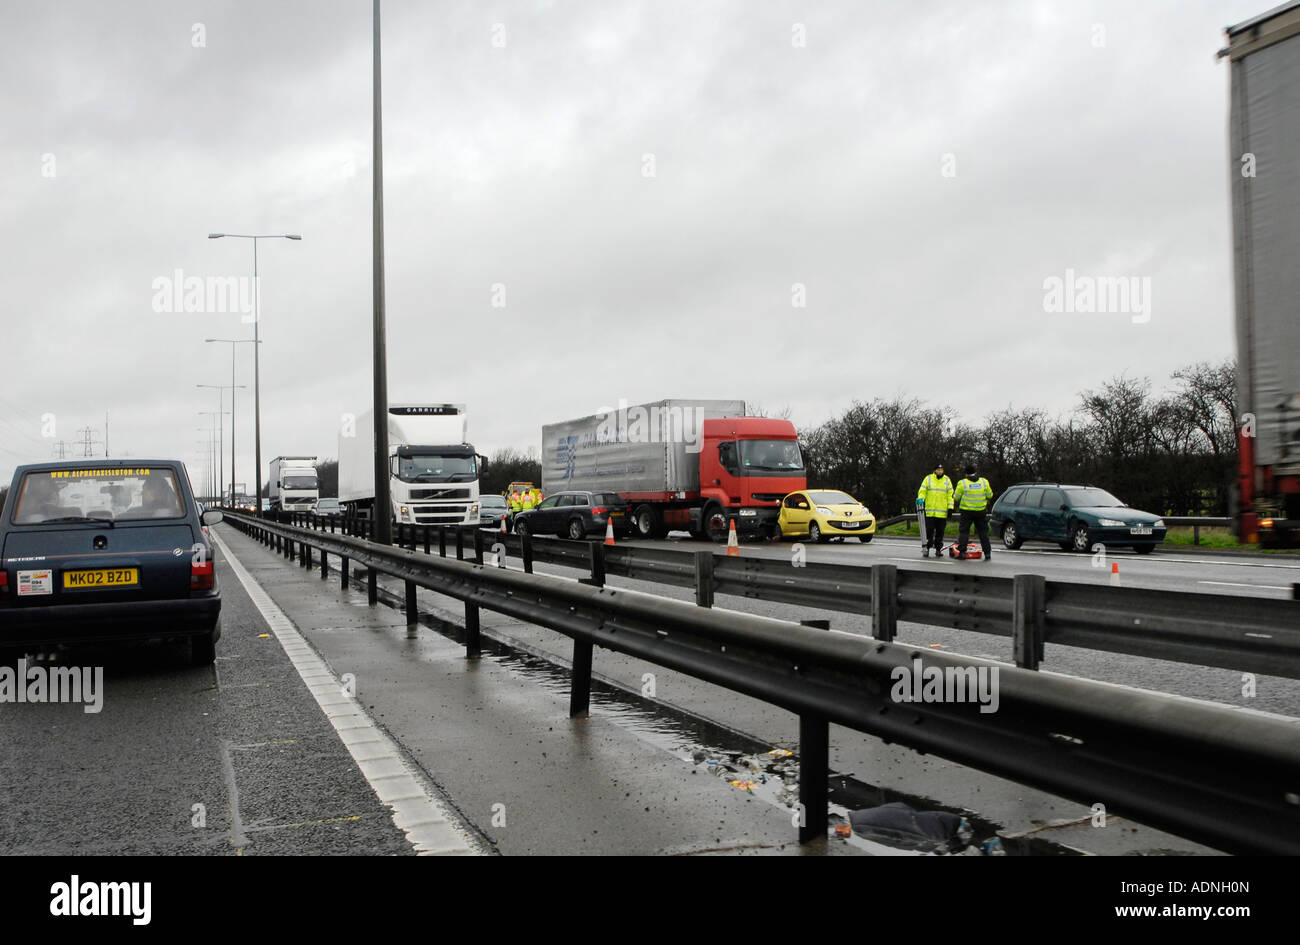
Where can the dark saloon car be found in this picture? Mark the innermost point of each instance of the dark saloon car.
(106, 551)
(491, 510)
(328, 508)
(574, 515)
(1075, 517)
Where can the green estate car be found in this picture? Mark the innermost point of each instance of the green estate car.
(1075, 517)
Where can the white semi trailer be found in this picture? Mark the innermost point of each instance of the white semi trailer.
(433, 469)
(293, 485)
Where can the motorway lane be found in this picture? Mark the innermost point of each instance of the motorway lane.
(1206, 573)
(244, 738)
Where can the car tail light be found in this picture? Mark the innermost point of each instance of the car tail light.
(599, 510)
(1266, 523)
(201, 575)
(4, 582)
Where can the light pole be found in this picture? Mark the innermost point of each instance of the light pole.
(207, 449)
(221, 436)
(382, 509)
(216, 417)
(232, 342)
(257, 392)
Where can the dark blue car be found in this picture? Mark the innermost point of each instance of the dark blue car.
(1075, 517)
(106, 550)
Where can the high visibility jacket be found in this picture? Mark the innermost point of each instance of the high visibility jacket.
(937, 494)
(973, 496)
(514, 502)
(526, 500)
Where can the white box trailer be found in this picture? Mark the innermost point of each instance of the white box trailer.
(1264, 168)
(649, 448)
(432, 468)
(293, 485)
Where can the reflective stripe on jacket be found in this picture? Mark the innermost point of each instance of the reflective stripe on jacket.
(973, 496)
(937, 494)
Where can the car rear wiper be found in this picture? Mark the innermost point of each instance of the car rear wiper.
(83, 519)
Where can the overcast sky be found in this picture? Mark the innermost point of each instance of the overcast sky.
(791, 203)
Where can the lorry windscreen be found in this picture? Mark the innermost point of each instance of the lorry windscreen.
(301, 482)
(425, 467)
(771, 456)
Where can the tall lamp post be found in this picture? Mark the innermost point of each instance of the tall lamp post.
(257, 398)
(216, 449)
(232, 342)
(221, 435)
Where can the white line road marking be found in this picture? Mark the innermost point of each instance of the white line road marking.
(1263, 587)
(416, 813)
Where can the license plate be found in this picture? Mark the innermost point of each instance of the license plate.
(848, 524)
(120, 577)
(1140, 530)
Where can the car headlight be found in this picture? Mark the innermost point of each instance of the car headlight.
(1110, 521)
(823, 510)
(473, 508)
(1159, 523)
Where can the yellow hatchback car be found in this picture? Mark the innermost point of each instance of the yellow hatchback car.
(823, 514)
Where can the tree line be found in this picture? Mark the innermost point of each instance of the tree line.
(1172, 453)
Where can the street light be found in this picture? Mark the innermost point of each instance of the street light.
(216, 449)
(232, 342)
(221, 436)
(257, 391)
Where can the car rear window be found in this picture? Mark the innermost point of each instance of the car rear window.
(1013, 496)
(606, 498)
(119, 494)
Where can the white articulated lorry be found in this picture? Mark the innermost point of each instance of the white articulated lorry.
(293, 485)
(432, 468)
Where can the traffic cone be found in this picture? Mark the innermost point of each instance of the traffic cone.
(503, 524)
(1114, 573)
(733, 546)
(609, 531)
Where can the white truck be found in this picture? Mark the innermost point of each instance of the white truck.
(293, 485)
(432, 468)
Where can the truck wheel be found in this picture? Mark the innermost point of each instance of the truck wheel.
(576, 531)
(716, 524)
(647, 524)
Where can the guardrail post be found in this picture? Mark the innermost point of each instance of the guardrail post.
(343, 574)
(596, 561)
(426, 538)
(1028, 598)
(473, 640)
(460, 544)
(1196, 534)
(277, 543)
(526, 552)
(580, 685)
(372, 586)
(324, 564)
(884, 601)
(704, 578)
(306, 556)
(478, 546)
(814, 784)
(412, 611)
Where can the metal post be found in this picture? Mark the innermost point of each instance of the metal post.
(383, 501)
(884, 601)
(526, 552)
(473, 640)
(596, 561)
(814, 783)
(372, 586)
(478, 546)
(704, 578)
(460, 544)
(412, 612)
(580, 685)
(425, 529)
(324, 564)
(1028, 597)
(306, 556)
(343, 574)
(442, 541)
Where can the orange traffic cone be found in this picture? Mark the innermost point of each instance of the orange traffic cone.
(1114, 573)
(733, 546)
(609, 531)
(503, 524)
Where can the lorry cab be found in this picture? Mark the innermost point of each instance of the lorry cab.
(747, 466)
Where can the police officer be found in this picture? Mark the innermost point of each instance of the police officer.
(526, 500)
(935, 498)
(972, 496)
(515, 504)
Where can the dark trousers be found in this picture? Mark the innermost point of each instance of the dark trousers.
(981, 520)
(934, 529)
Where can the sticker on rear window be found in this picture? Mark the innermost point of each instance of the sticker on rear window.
(35, 582)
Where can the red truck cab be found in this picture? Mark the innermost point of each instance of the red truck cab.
(747, 466)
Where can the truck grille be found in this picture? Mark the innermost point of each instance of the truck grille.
(439, 493)
(768, 496)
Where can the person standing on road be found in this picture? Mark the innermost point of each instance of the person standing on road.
(972, 497)
(935, 499)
